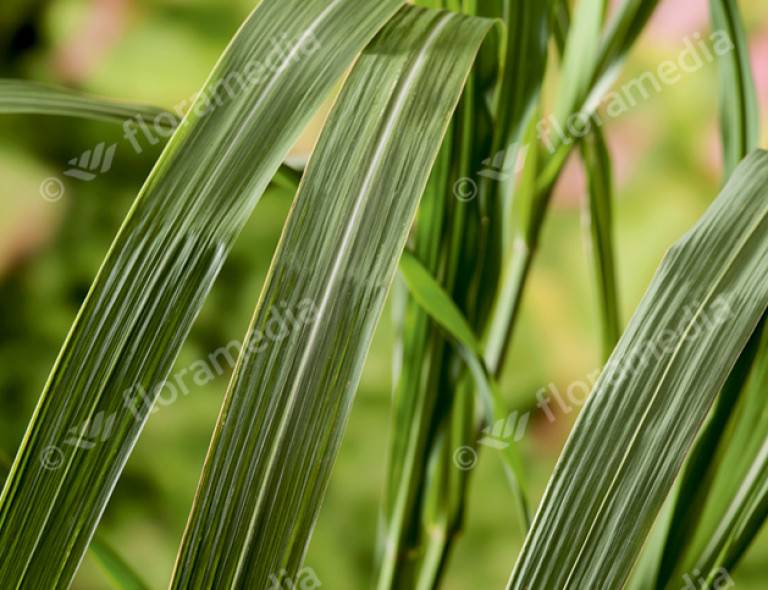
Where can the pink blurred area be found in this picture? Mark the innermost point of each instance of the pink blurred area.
(759, 53)
(674, 18)
(629, 136)
(82, 53)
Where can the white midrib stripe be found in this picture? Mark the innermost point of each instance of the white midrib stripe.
(346, 242)
(630, 447)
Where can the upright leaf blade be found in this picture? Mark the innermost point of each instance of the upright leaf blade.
(717, 509)
(634, 432)
(437, 303)
(739, 115)
(599, 213)
(159, 270)
(284, 414)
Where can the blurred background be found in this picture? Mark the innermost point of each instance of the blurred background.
(667, 166)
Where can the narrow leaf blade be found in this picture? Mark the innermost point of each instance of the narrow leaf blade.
(284, 414)
(636, 428)
(158, 272)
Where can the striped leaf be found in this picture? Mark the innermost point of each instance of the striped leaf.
(159, 270)
(721, 501)
(26, 97)
(633, 434)
(739, 115)
(284, 414)
(115, 567)
(32, 98)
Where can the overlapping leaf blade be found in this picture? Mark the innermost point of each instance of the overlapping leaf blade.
(32, 98)
(634, 432)
(159, 270)
(284, 414)
(460, 242)
(720, 503)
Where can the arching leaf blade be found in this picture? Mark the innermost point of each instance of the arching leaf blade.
(287, 405)
(636, 428)
(159, 270)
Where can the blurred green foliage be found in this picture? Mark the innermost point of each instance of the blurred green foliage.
(160, 51)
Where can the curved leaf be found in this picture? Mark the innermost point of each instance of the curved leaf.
(656, 390)
(158, 271)
(288, 402)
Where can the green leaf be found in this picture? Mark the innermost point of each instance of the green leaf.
(159, 270)
(720, 504)
(597, 164)
(739, 114)
(120, 573)
(579, 56)
(623, 29)
(632, 436)
(721, 501)
(599, 215)
(284, 414)
(27, 97)
(525, 61)
(460, 242)
(428, 293)
(33, 98)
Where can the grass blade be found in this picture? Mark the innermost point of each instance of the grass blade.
(717, 511)
(33, 98)
(158, 272)
(459, 241)
(284, 414)
(739, 115)
(119, 572)
(428, 293)
(117, 569)
(622, 31)
(720, 505)
(27, 97)
(636, 428)
(599, 215)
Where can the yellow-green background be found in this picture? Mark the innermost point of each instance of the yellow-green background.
(160, 51)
